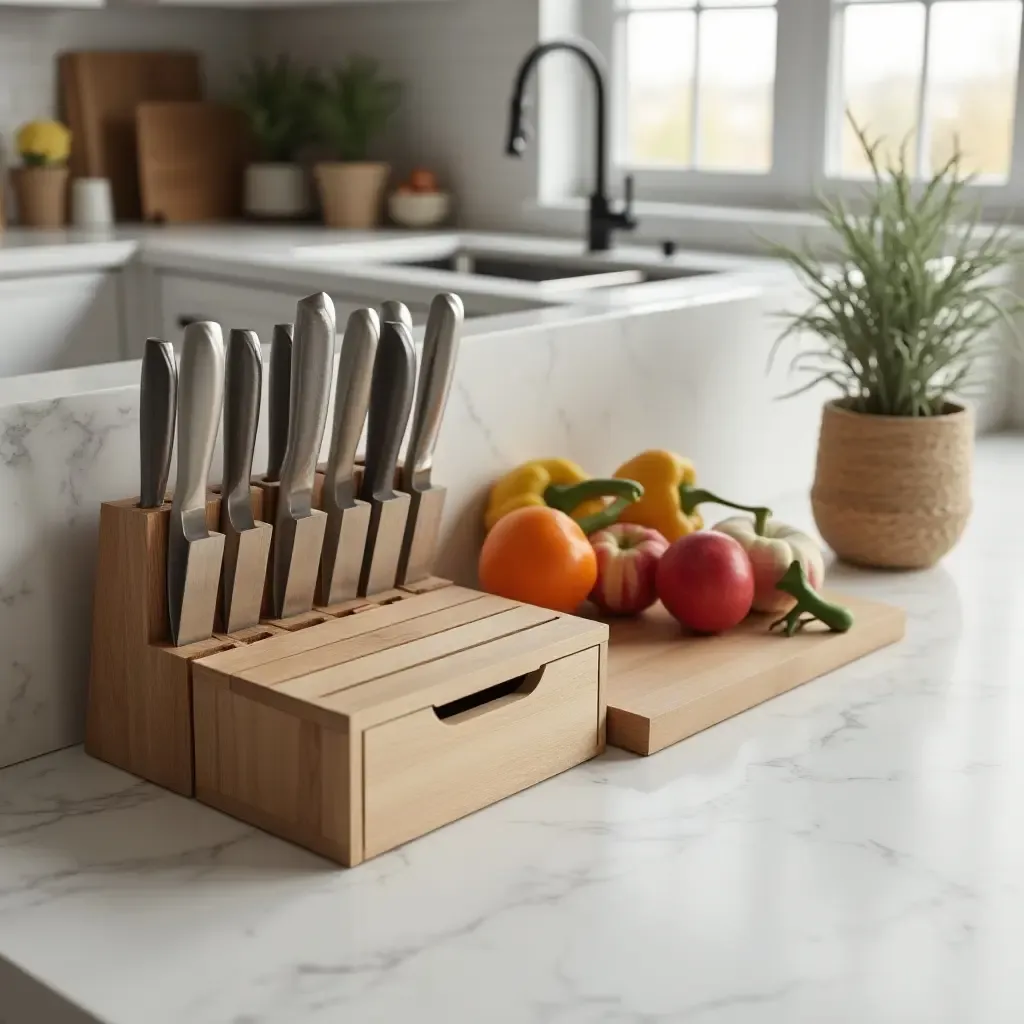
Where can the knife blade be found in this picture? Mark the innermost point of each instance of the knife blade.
(279, 399)
(391, 391)
(194, 552)
(348, 518)
(158, 407)
(437, 367)
(247, 543)
(299, 528)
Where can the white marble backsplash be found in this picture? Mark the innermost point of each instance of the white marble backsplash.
(595, 388)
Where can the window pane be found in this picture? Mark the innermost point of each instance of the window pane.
(659, 58)
(883, 54)
(737, 79)
(972, 82)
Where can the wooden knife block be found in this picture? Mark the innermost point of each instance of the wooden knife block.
(138, 712)
(348, 730)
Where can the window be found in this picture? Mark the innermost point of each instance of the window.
(744, 101)
(699, 77)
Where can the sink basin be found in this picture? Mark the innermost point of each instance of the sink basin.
(554, 272)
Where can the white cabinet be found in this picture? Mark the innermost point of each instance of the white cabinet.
(186, 299)
(58, 321)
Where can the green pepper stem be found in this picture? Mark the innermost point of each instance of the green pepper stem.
(794, 582)
(568, 497)
(690, 497)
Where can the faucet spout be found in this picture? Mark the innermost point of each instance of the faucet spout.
(602, 219)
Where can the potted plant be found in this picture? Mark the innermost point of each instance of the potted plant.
(41, 183)
(353, 107)
(277, 100)
(907, 311)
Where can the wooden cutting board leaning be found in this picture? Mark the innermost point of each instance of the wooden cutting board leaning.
(191, 161)
(99, 94)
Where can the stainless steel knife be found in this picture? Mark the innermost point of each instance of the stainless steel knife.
(437, 367)
(299, 528)
(391, 393)
(158, 406)
(247, 543)
(348, 518)
(393, 311)
(278, 400)
(194, 552)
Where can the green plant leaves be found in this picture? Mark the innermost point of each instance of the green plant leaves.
(907, 305)
(354, 106)
(278, 100)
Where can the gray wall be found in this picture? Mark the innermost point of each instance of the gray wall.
(458, 60)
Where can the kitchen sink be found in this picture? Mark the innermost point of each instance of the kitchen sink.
(554, 272)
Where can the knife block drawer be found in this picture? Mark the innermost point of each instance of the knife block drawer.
(139, 703)
(357, 735)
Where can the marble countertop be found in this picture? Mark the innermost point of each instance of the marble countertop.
(849, 852)
(314, 257)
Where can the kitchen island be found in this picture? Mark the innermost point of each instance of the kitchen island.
(847, 853)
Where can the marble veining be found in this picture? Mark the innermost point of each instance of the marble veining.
(847, 853)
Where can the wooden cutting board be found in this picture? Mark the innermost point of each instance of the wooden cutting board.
(665, 685)
(99, 93)
(191, 161)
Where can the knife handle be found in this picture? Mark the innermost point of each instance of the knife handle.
(437, 367)
(200, 395)
(243, 385)
(391, 390)
(279, 399)
(351, 397)
(395, 312)
(312, 364)
(158, 406)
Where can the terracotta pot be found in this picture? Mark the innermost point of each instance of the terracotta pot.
(351, 193)
(42, 194)
(276, 190)
(893, 491)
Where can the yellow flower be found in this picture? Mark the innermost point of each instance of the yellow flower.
(43, 143)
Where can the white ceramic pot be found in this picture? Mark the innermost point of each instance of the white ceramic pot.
(276, 190)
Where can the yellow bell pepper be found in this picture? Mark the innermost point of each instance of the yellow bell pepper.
(561, 484)
(670, 499)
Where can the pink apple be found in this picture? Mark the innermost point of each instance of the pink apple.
(627, 564)
(771, 553)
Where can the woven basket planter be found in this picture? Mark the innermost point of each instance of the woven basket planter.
(891, 491)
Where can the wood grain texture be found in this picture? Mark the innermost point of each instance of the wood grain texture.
(99, 93)
(665, 686)
(423, 772)
(271, 750)
(191, 160)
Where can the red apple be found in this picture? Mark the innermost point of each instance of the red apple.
(706, 581)
(771, 553)
(627, 562)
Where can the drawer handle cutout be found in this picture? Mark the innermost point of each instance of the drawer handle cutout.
(489, 699)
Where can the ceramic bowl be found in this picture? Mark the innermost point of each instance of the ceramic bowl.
(419, 209)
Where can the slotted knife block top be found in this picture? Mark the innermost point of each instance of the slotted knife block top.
(348, 730)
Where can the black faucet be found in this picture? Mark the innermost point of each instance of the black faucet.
(602, 219)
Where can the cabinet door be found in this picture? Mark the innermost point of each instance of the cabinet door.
(186, 299)
(59, 321)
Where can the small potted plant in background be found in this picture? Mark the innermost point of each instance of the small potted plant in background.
(277, 100)
(353, 107)
(908, 314)
(41, 183)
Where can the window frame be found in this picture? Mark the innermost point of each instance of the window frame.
(803, 127)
